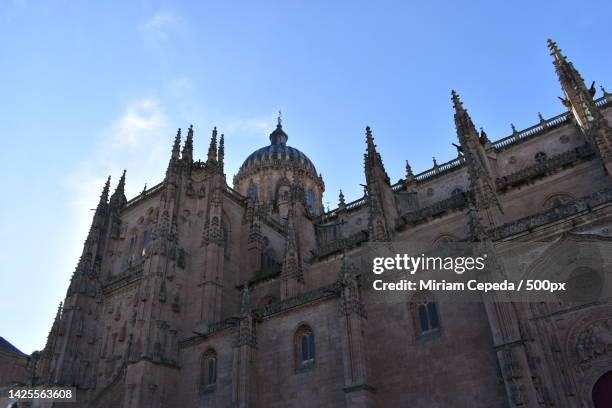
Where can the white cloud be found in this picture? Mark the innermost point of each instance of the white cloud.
(136, 126)
(139, 140)
(157, 28)
(257, 125)
(181, 88)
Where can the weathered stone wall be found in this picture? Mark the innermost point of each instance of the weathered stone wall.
(13, 369)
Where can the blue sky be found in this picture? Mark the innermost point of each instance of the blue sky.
(90, 88)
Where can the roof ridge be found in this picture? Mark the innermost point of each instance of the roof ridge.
(7, 347)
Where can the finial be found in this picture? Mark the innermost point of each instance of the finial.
(543, 122)
(515, 132)
(605, 93)
(212, 149)
(177, 138)
(435, 163)
(188, 147)
(554, 49)
(456, 100)
(552, 46)
(409, 174)
(119, 194)
(221, 152)
(279, 119)
(484, 139)
(369, 137)
(177, 144)
(144, 190)
(341, 199)
(105, 189)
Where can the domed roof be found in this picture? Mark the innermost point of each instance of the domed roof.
(278, 150)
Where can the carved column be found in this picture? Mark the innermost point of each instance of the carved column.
(358, 393)
(243, 369)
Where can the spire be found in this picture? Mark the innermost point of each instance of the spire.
(105, 190)
(118, 198)
(371, 147)
(212, 149)
(372, 158)
(480, 172)
(569, 77)
(177, 145)
(484, 139)
(577, 97)
(221, 153)
(173, 164)
(463, 122)
(187, 154)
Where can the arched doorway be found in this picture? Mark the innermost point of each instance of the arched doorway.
(602, 391)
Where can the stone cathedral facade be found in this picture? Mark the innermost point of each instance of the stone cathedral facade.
(198, 294)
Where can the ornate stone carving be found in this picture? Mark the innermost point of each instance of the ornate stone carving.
(594, 342)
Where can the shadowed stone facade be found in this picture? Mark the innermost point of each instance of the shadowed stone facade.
(196, 294)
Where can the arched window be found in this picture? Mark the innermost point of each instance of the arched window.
(602, 391)
(304, 345)
(425, 314)
(146, 237)
(208, 375)
(253, 192)
(311, 200)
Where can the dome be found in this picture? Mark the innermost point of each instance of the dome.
(276, 151)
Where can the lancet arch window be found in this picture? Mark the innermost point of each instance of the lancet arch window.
(424, 311)
(304, 348)
(311, 200)
(146, 239)
(208, 371)
(253, 192)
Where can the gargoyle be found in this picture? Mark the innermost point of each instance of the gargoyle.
(565, 102)
(592, 89)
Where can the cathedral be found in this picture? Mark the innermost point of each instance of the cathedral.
(196, 293)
